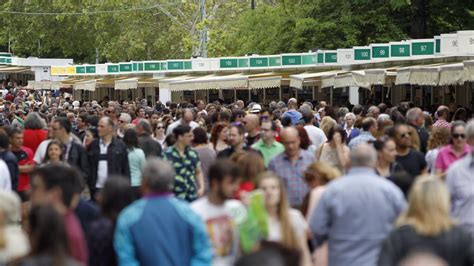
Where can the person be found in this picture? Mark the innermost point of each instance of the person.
(290, 166)
(251, 125)
(383, 122)
(351, 131)
(189, 181)
(160, 135)
(416, 119)
(317, 176)
(352, 220)
(285, 225)
(34, 132)
(124, 121)
(457, 149)
(326, 124)
(140, 115)
(251, 165)
(74, 153)
(219, 137)
(5, 178)
(440, 137)
(81, 124)
(186, 119)
(136, 159)
(115, 196)
(236, 141)
(426, 225)
(59, 186)
(460, 183)
(270, 254)
(442, 114)
(218, 211)
(207, 155)
(14, 241)
(411, 160)
(150, 146)
(24, 157)
(49, 242)
(292, 113)
(369, 130)
(315, 134)
(160, 229)
(335, 152)
(54, 153)
(91, 135)
(9, 159)
(267, 145)
(107, 156)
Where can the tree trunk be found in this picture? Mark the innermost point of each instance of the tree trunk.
(419, 12)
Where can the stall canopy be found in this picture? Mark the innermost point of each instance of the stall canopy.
(352, 79)
(210, 82)
(126, 84)
(265, 80)
(165, 83)
(451, 74)
(14, 69)
(379, 76)
(87, 85)
(468, 70)
(418, 75)
(326, 77)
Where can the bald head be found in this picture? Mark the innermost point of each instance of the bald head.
(291, 140)
(363, 155)
(251, 122)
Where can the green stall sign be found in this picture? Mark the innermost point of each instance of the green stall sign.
(259, 62)
(422, 48)
(380, 52)
(311, 59)
(112, 68)
(291, 60)
(228, 63)
(90, 69)
(80, 70)
(330, 58)
(399, 50)
(361, 54)
(125, 67)
(274, 61)
(152, 66)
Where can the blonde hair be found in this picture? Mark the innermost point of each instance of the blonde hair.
(321, 170)
(327, 123)
(251, 165)
(288, 235)
(440, 136)
(428, 207)
(415, 139)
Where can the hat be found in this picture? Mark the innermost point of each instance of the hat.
(76, 103)
(256, 108)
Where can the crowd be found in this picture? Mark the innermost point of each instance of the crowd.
(139, 183)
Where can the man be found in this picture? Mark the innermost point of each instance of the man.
(218, 211)
(442, 113)
(267, 146)
(251, 124)
(373, 111)
(412, 161)
(351, 131)
(59, 186)
(187, 118)
(292, 113)
(416, 119)
(315, 134)
(9, 158)
(369, 130)
(73, 153)
(356, 212)
(200, 105)
(81, 124)
(189, 181)
(291, 164)
(236, 141)
(24, 157)
(160, 229)
(150, 146)
(108, 156)
(124, 120)
(460, 182)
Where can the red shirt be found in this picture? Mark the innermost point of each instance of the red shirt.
(33, 138)
(24, 157)
(244, 187)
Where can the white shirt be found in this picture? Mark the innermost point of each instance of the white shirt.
(316, 135)
(102, 169)
(5, 178)
(41, 151)
(221, 225)
(298, 224)
(192, 124)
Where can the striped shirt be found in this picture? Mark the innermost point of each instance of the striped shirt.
(460, 182)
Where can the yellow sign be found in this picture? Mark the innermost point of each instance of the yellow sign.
(71, 70)
(58, 71)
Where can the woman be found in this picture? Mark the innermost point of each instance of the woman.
(34, 132)
(13, 241)
(160, 133)
(305, 142)
(327, 123)
(91, 135)
(49, 244)
(207, 155)
(456, 150)
(427, 225)
(440, 136)
(285, 225)
(115, 196)
(460, 115)
(136, 159)
(54, 153)
(219, 137)
(383, 122)
(251, 165)
(316, 176)
(335, 151)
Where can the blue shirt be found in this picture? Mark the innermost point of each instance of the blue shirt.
(136, 159)
(355, 214)
(363, 137)
(161, 230)
(292, 174)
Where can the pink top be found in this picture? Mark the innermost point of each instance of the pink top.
(446, 156)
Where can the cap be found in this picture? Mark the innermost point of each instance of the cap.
(256, 108)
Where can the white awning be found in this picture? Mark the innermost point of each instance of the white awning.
(297, 81)
(451, 74)
(352, 79)
(327, 81)
(264, 82)
(165, 83)
(418, 75)
(126, 84)
(210, 82)
(378, 76)
(403, 76)
(87, 85)
(468, 70)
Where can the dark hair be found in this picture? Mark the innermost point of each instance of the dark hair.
(48, 234)
(64, 177)
(145, 125)
(221, 168)
(305, 142)
(51, 143)
(92, 120)
(181, 130)
(200, 136)
(216, 130)
(392, 131)
(116, 195)
(286, 121)
(130, 138)
(368, 122)
(335, 130)
(12, 130)
(239, 128)
(170, 140)
(224, 116)
(4, 140)
(308, 117)
(357, 109)
(379, 143)
(64, 123)
(83, 116)
(271, 254)
(94, 131)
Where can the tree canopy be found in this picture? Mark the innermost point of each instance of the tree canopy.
(157, 29)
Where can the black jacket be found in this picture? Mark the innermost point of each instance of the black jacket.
(454, 246)
(149, 146)
(423, 135)
(12, 162)
(117, 161)
(78, 158)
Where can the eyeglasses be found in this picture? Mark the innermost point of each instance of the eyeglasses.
(457, 136)
(120, 121)
(160, 127)
(406, 134)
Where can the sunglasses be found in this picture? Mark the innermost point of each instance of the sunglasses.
(404, 135)
(120, 121)
(160, 127)
(457, 136)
